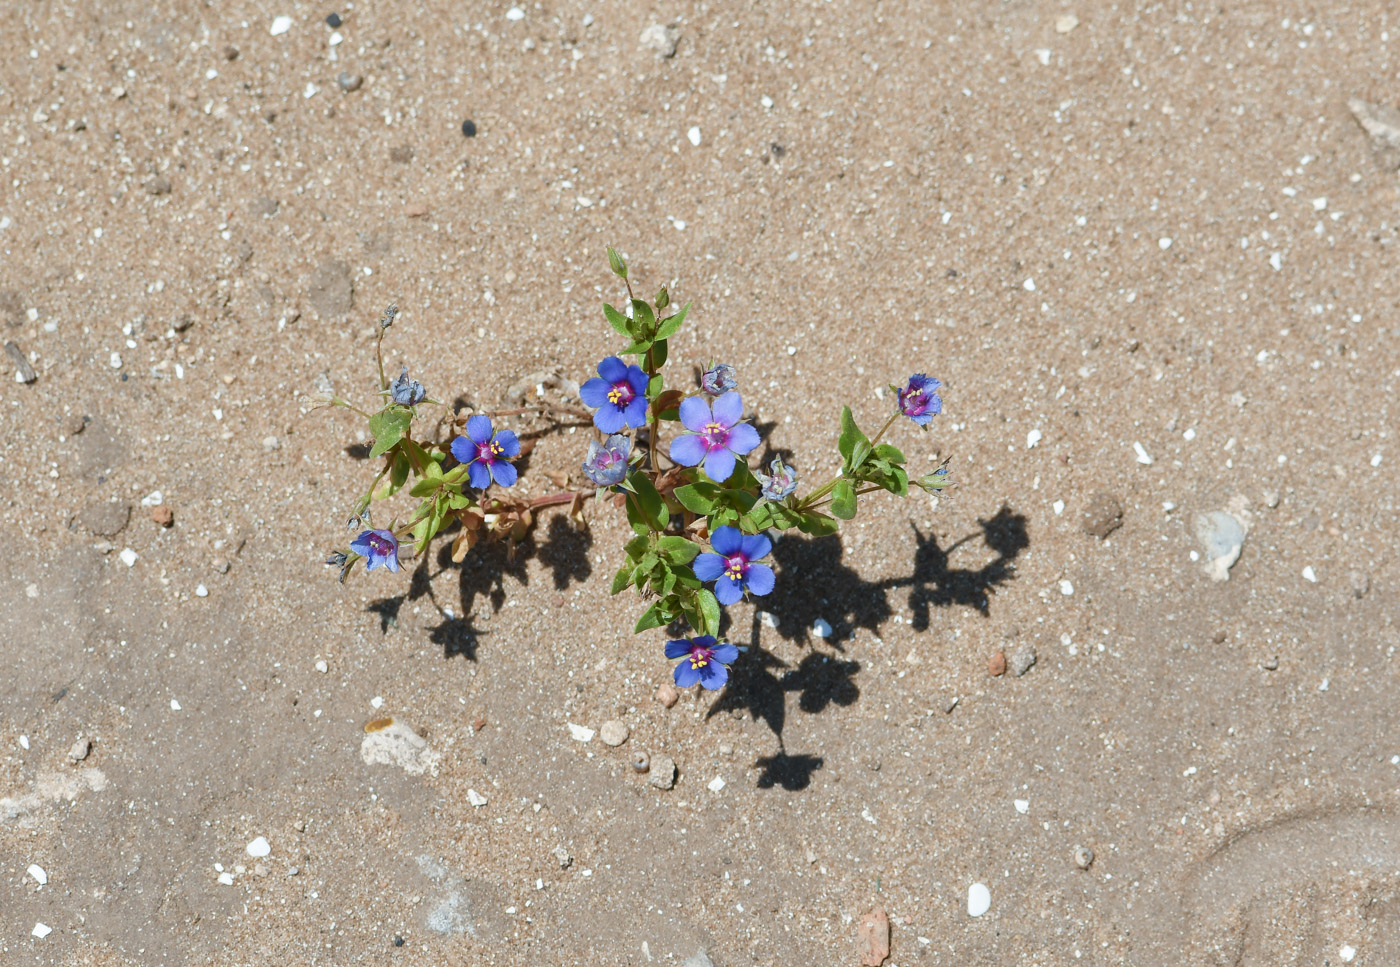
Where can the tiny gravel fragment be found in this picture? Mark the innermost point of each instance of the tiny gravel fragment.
(349, 82)
(562, 855)
(663, 772)
(333, 20)
(613, 732)
(1360, 583)
(1270, 664)
(641, 762)
(997, 665)
(163, 516)
(979, 899)
(259, 847)
(475, 798)
(469, 128)
(37, 871)
(873, 938)
(821, 628)
(24, 373)
(661, 39)
(280, 25)
(1021, 660)
(667, 694)
(41, 930)
(159, 185)
(581, 733)
(1102, 515)
(1083, 857)
(79, 750)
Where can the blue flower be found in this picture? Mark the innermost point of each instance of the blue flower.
(719, 379)
(702, 661)
(405, 391)
(919, 400)
(731, 568)
(606, 463)
(619, 392)
(716, 435)
(782, 483)
(379, 548)
(485, 453)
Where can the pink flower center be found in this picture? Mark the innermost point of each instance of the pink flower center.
(734, 567)
(379, 545)
(700, 657)
(489, 451)
(621, 394)
(715, 436)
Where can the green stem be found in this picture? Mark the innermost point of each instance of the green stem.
(379, 357)
(806, 502)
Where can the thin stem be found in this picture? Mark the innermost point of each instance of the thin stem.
(379, 357)
(826, 488)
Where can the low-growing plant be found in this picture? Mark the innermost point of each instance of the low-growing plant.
(702, 518)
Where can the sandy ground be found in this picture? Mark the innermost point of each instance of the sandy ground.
(1159, 226)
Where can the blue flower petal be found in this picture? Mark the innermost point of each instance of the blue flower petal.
(609, 418)
(391, 561)
(637, 379)
(636, 411)
(704, 641)
(708, 567)
(463, 449)
(687, 450)
(504, 473)
(510, 444)
(686, 674)
(726, 654)
(728, 591)
(594, 392)
(713, 676)
(759, 579)
(695, 413)
(719, 465)
(727, 540)
(479, 475)
(678, 647)
(728, 409)
(479, 428)
(612, 369)
(743, 438)
(755, 546)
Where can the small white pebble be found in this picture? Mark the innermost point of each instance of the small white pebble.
(694, 135)
(821, 628)
(376, 702)
(1066, 587)
(1319, 204)
(475, 798)
(766, 101)
(514, 14)
(1058, 507)
(128, 556)
(1032, 438)
(174, 705)
(1309, 574)
(1022, 805)
(310, 90)
(41, 930)
(979, 899)
(226, 879)
(582, 733)
(24, 742)
(280, 25)
(768, 618)
(259, 847)
(1028, 285)
(1189, 435)
(336, 39)
(1376, 460)
(1142, 456)
(1276, 260)
(715, 784)
(1164, 243)
(1346, 953)
(201, 592)
(792, 350)
(1325, 683)
(322, 667)
(115, 360)
(1189, 771)
(1066, 22)
(1042, 54)
(37, 871)
(153, 499)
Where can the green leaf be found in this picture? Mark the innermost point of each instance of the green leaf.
(637, 348)
(843, 500)
(622, 579)
(817, 525)
(654, 387)
(425, 487)
(458, 501)
(672, 324)
(658, 354)
(616, 263)
(643, 319)
(760, 518)
(637, 546)
(698, 498)
(886, 452)
(636, 517)
(652, 506)
(398, 475)
(618, 321)
(850, 436)
(708, 609)
(653, 618)
(685, 577)
(388, 427)
(860, 454)
(679, 550)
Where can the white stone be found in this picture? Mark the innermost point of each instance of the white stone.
(128, 556)
(280, 25)
(1164, 243)
(768, 618)
(153, 499)
(1028, 285)
(1309, 574)
(1022, 805)
(475, 798)
(322, 667)
(201, 592)
(1066, 22)
(1276, 260)
(715, 784)
(1346, 953)
(115, 360)
(1066, 587)
(979, 899)
(41, 930)
(694, 135)
(377, 702)
(259, 847)
(821, 628)
(37, 871)
(1142, 455)
(24, 742)
(174, 705)
(336, 39)
(1058, 507)
(581, 733)
(1032, 438)
(398, 745)
(514, 14)
(226, 879)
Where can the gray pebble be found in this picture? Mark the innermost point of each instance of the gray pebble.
(663, 772)
(264, 206)
(24, 373)
(80, 749)
(562, 855)
(1269, 664)
(271, 443)
(1102, 516)
(698, 959)
(349, 83)
(613, 732)
(1083, 857)
(159, 185)
(1360, 583)
(1021, 659)
(662, 39)
(401, 154)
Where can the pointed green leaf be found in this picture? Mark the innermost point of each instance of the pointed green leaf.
(672, 324)
(622, 579)
(388, 427)
(843, 500)
(618, 321)
(698, 498)
(679, 550)
(653, 618)
(708, 609)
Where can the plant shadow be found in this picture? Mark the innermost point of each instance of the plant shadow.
(818, 587)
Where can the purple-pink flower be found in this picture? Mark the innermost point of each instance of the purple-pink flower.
(702, 661)
(731, 567)
(919, 400)
(379, 548)
(486, 453)
(619, 392)
(716, 436)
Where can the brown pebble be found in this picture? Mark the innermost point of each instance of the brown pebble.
(997, 666)
(1102, 516)
(478, 723)
(1218, 638)
(415, 210)
(221, 565)
(163, 515)
(667, 694)
(873, 938)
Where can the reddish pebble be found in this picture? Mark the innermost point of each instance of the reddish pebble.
(873, 938)
(997, 666)
(478, 724)
(163, 515)
(667, 694)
